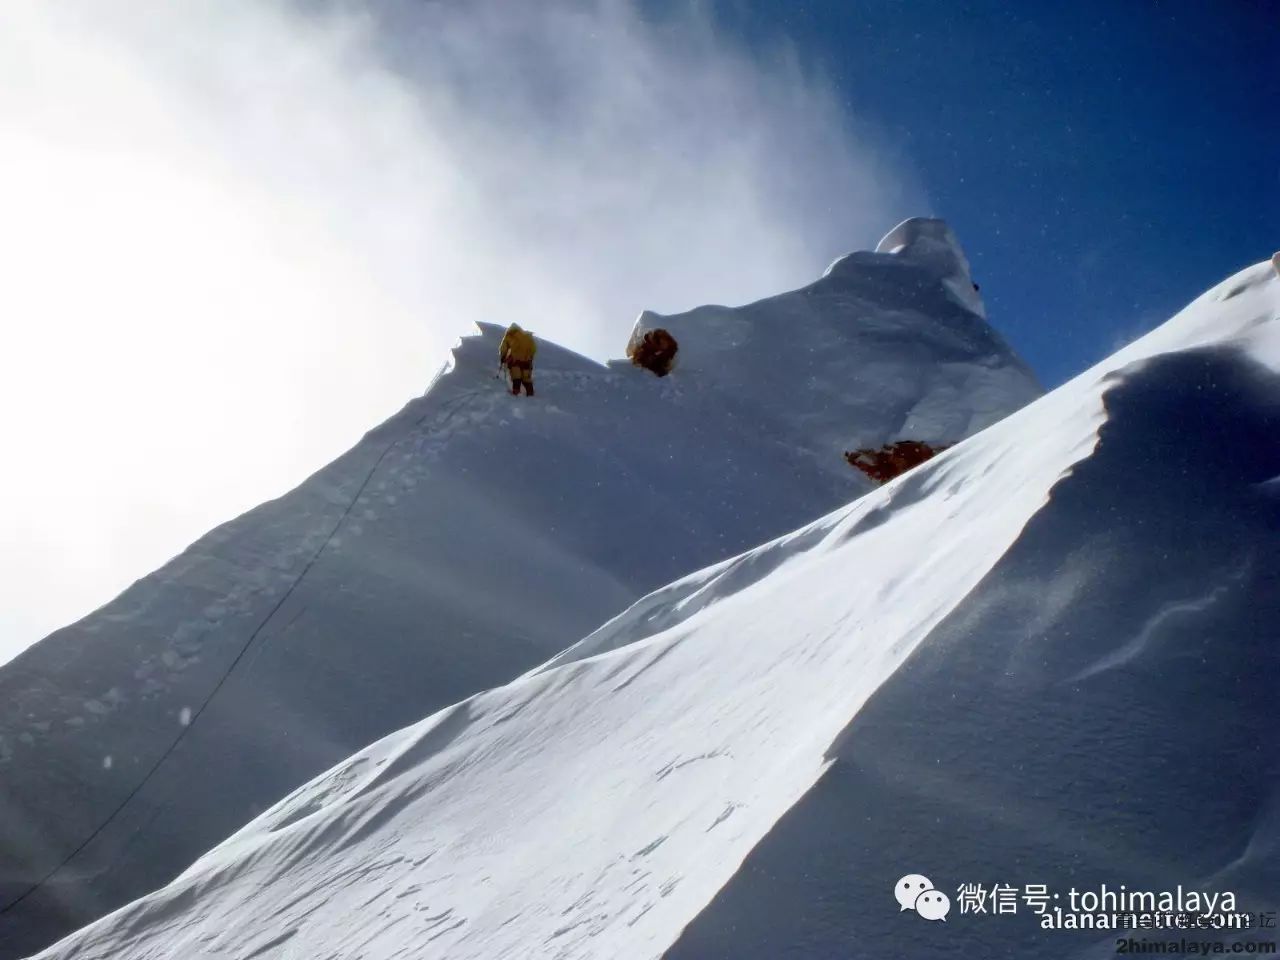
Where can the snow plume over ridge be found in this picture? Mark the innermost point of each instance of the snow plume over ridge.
(239, 232)
(918, 681)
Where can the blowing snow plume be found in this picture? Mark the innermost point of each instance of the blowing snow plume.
(238, 233)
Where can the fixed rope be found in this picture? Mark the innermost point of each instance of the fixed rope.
(141, 784)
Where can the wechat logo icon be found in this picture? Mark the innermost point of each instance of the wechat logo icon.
(916, 892)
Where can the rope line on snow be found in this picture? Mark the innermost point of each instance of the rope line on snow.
(448, 408)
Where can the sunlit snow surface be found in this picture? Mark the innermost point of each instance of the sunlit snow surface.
(1045, 656)
(460, 544)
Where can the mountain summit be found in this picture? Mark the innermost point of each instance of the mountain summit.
(464, 541)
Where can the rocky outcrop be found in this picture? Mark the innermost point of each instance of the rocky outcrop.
(893, 459)
(655, 350)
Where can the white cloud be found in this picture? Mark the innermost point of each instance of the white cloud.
(237, 234)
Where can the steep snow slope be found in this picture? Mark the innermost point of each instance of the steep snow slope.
(462, 542)
(1046, 656)
(918, 361)
(1099, 711)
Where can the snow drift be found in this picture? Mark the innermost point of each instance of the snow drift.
(1045, 655)
(462, 542)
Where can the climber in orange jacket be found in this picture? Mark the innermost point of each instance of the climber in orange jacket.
(516, 354)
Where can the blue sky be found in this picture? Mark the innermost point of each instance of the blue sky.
(1102, 162)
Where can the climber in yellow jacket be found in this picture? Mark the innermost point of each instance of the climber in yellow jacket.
(516, 354)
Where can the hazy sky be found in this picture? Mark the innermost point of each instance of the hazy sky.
(238, 233)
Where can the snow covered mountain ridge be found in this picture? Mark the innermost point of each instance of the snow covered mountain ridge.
(1046, 656)
(458, 545)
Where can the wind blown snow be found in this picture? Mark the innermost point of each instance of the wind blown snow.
(239, 231)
